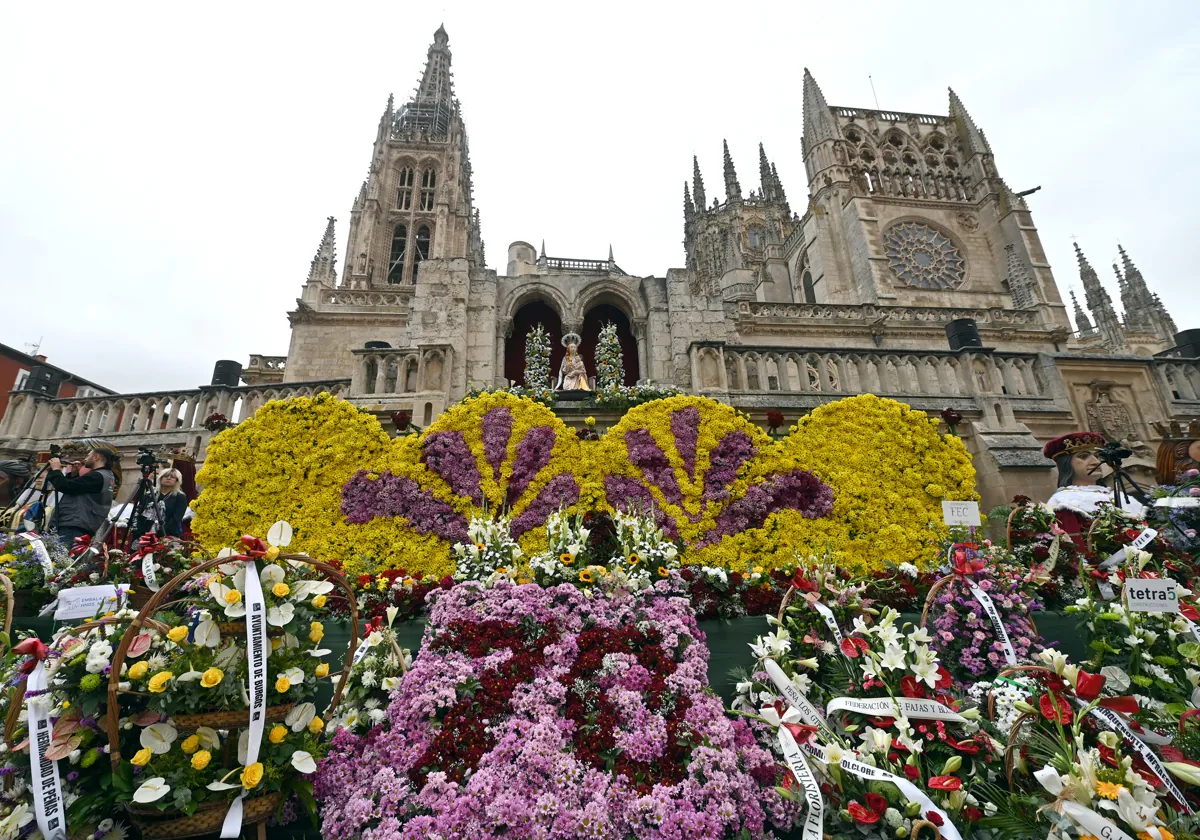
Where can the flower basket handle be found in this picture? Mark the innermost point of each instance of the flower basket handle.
(159, 598)
(938, 585)
(1008, 524)
(8, 605)
(1091, 536)
(787, 596)
(920, 825)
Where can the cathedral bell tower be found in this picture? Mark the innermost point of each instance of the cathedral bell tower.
(415, 204)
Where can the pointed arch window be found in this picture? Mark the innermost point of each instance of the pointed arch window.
(806, 283)
(422, 252)
(428, 183)
(404, 193)
(396, 259)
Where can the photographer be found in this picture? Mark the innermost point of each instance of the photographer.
(162, 509)
(86, 496)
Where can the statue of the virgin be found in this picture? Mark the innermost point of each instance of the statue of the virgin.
(572, 373)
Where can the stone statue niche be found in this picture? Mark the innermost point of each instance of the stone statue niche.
(572, 373)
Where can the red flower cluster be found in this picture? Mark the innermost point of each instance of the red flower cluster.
(464, 739)
(595, 718)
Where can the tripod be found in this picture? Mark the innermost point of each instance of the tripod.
(145, 483)
(1123, 485)
(30, 483)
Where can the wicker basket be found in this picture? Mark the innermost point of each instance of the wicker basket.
(157, 825)
(207, 819)
(942, 583)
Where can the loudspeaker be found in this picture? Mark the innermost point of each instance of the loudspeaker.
(377, 345)
(1188, 343)
(44, 380)
(962, 333)
(228, 373)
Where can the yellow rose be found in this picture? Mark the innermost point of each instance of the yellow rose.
(323, 669)
(316, 725)
(233, 596)
(190, 744)
(318, 601)
(272, 553)
(317, 632)
(212, 677)
(278, 734)
(276, 641)
(282, 685)
(142, 757)
(252, 775)
(177, 634)
(200, 760)
(158, 683)
(280, 590)
(138, 670)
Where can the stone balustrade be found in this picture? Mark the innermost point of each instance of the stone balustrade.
(870, 313)
(150, 419)
(839, 373)
(1181, 378)
(267, 363)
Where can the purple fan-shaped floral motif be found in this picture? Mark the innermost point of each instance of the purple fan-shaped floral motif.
(391, 496)
(532, 455)
(632, 496)
(447, 454)
(497, 429)
(647, 455)
(559, 492)
(726, 458)
(796, 490)
(685, 425)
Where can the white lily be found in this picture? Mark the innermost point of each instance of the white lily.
(158, 737)
(893, 658)
(876, 740)
(151, 790)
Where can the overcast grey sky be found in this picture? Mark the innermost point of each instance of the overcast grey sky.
(166, 169)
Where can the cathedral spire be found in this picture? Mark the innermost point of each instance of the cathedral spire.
(1147, 309)
(323, 269)
(698, 185)
(765, 182)
(973, 139)
(733, 190)
(1099, 302)
(818, 122)
(433, 104)
(1021, 285)
(689, 209)
(1130, 306)
(1083, 325)
(780, 195)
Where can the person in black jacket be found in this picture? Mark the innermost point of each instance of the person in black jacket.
(163, 508)
(87, 496)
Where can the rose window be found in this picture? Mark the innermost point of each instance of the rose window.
(923, 256)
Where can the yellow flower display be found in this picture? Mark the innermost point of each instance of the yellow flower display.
(200, 760)
(177, 634)
(212, 677)
(281, 589)
(889, 469)
(252, 775)
(158, 683)
(138, 671)
(142, 757)
(278, 733)
(190, 744)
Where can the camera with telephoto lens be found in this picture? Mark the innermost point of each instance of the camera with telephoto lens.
(56, 451)
(1114, 454)
(146, 459)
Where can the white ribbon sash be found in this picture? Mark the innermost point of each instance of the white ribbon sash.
(807, 711)
(985, 601)
(911, 792)
(256, 651)
(46, 784)
(910, 707)
(1140, 541)
(830, 622)
(148, 572)
(1116, 723)
(1092, 823)
(814, 820)
(43, 556)
(1177, 502)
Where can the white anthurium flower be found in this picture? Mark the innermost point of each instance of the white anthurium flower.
(306, 589)
(189, 676)
(300, 717)
(317, 654)
(271, 575)
(243, 746)
(226, 658)
(1049, 779)
(151, 790)
(295, 675)
(222, 593)
(219, 786)
(390, 683)
(281, 615)
(290, 641)
(158, 737)
(207, 634)
(209, 739)
(303, 761)
(1116, 678)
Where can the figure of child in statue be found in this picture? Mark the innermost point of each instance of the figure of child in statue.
(572, 373)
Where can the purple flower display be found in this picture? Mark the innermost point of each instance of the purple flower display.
(796, 490)
(634, 666)
(559, 492)
(447, 454)
(632, 496)
(685, 425)
(727, 457)
(497, 429)
(532, 455)
(391, 496)
(646, 454)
